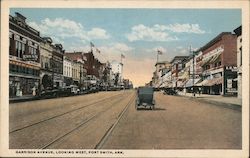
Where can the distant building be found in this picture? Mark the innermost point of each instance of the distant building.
(77, 61)
(161, 68)
(177, 64)
(117, 72)
(24, 57)
(238, 32)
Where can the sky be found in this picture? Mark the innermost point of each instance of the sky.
(135, 33)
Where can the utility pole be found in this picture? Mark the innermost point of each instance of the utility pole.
(192, 52)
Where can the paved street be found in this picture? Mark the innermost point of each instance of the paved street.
(109, 120)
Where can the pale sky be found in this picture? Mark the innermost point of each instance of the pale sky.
(136, 33)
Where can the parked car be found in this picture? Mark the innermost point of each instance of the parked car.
(170, 92)
(145, 98)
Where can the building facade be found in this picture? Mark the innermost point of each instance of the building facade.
(218, 65)
(57, 66)
(238, 32)
(46, 66)
(78, 68)
(177, 64)
(117, 72)
(24, 57)
(67, 71)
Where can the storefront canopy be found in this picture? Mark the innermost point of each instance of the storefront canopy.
(189, 83)
(214, 81)
(211, 82)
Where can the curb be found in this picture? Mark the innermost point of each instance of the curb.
(216, 103)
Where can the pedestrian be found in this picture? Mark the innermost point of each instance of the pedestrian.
(199, 90)
(34, 91)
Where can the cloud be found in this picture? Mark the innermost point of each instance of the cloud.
(141, 32)
(64, 28)
(161, 32)
(185, 28)
(97, 33)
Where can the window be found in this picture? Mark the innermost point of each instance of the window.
(32, 50)
(20, 49)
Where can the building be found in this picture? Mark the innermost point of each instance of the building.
(24, 57)
(67, 71)
(117, 73)
(219, 65)
(57, 66)
(239, 59)
(178, 64)
(78, 68)
(46, 49)
(161, 68)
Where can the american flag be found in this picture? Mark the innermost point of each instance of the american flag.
(92, 45)
(122, 56)
(159, 52)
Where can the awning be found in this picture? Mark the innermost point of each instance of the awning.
(182, 84)
(214, 81)
(205, 61)
(201, 83)
(189, 83)
(215, 57)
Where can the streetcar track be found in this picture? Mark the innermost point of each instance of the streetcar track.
(81, 124)
(53, 117)
(107, 134)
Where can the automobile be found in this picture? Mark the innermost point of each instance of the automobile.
(170, 92)
(71, 90)
(145, 98)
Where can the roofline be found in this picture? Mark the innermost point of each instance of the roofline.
(183, 57)
(238, 30)
(217, 38)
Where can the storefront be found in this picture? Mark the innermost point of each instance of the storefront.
(23, 79)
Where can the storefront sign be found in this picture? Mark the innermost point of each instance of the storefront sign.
(229, 83)
(231, 90)
(32, 57)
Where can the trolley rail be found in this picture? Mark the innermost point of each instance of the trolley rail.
(64, 113)
(92, 117)
(103, 140)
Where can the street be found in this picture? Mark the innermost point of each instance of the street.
(109, 120)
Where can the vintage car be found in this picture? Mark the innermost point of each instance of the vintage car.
(145, 98)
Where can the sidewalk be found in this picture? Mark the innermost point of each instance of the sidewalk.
(22, 98)
(230, 102)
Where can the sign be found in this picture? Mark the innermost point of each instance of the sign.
(32, 57)
(229, 83)
(232, 90)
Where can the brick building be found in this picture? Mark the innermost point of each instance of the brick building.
(24, 57)
(218, 65)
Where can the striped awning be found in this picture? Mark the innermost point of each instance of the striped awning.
(214, 81)
(189, 83)
(201, 83)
